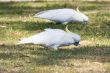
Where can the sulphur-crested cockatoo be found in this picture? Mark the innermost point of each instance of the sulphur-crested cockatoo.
(52, 38)
(63, 16)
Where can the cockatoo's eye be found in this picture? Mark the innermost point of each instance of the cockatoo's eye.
(76, 43)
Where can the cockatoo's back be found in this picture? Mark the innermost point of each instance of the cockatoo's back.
(45, 37)
(51, 36)
(59, 15)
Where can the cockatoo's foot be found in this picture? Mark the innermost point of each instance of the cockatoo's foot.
(52, 49)
(64, 23)
(55, 47)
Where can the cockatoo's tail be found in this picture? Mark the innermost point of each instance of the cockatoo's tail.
(25, 41)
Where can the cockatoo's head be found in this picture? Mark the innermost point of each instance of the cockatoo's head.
(75, 37)
(82, 17)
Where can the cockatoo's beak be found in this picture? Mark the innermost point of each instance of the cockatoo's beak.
(76, 43)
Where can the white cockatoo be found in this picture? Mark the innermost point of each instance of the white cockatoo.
(53, 38)
(63, 16)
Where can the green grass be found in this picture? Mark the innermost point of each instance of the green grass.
(92, 56)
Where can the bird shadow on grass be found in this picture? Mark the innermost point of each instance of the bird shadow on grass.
(33, 26)
(93, 53)
(44, 57)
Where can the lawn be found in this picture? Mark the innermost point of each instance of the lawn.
(92, 56)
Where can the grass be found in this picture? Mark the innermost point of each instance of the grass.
(92, 56)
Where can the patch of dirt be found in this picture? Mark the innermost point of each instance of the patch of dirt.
(84, 43)
(90, 67)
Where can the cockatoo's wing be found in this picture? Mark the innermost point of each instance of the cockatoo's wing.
(45, 37)
(58, 15)
(41, 12)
